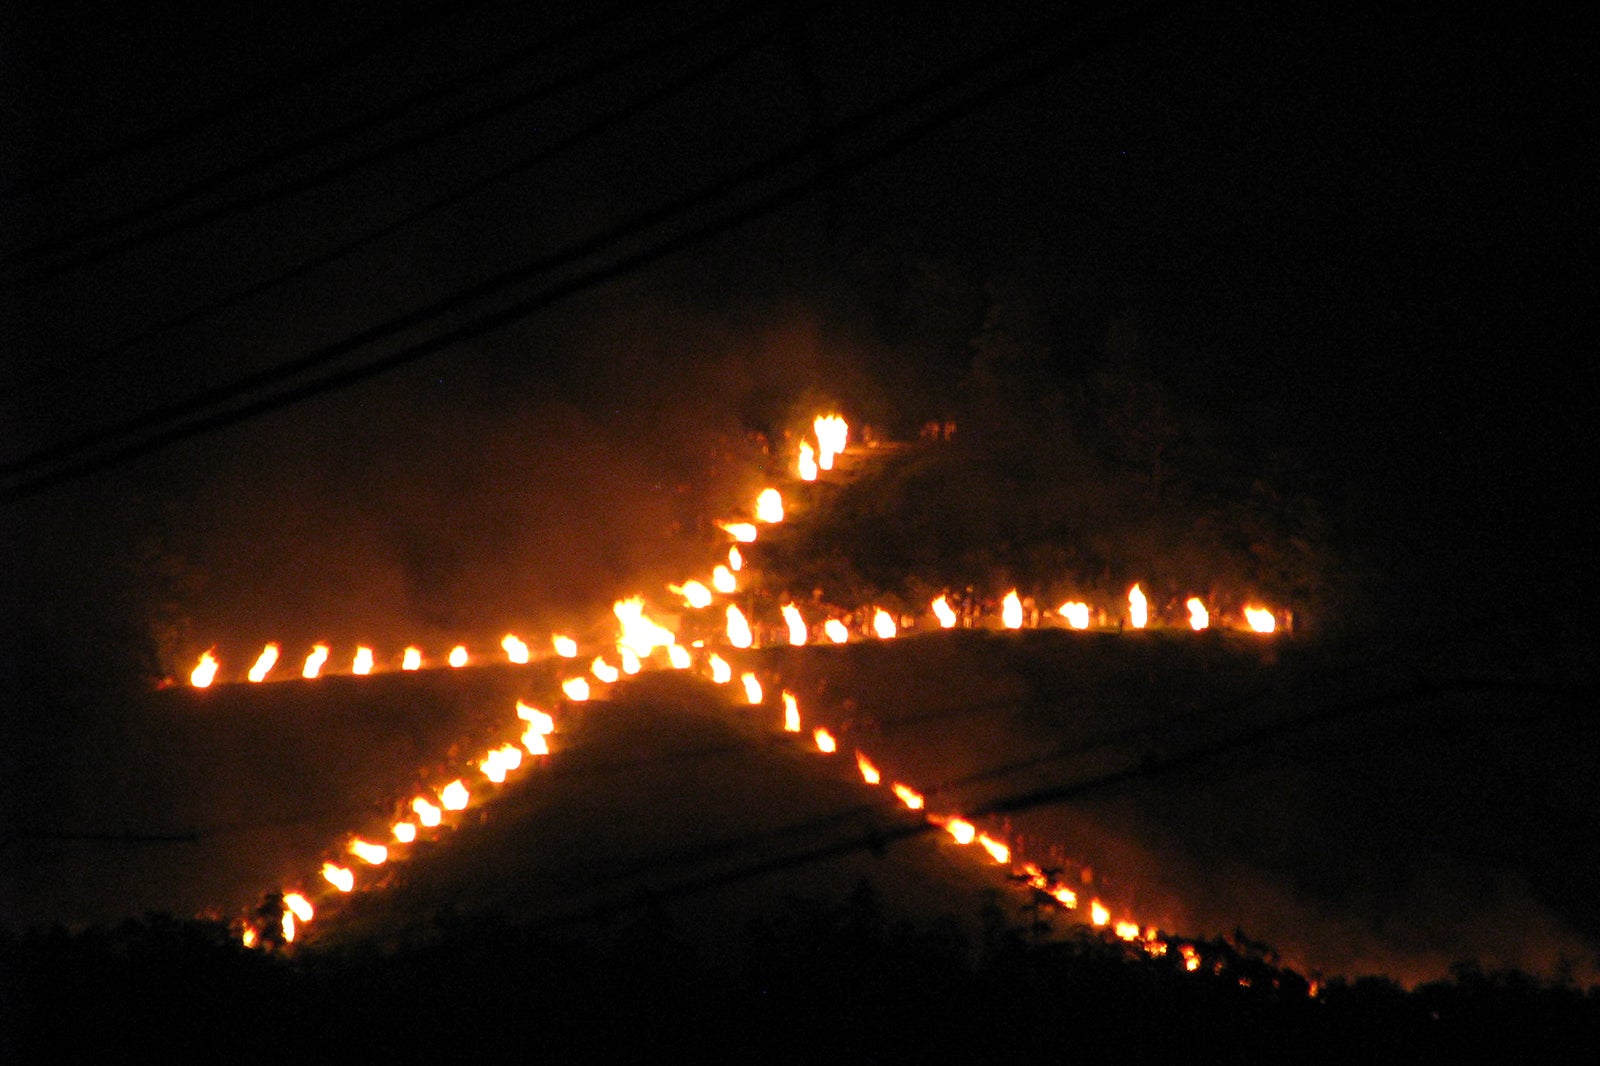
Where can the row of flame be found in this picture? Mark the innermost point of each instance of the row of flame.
(640, 642)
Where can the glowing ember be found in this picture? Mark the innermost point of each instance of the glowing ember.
(869, 773)
(769, 506)
(678, 656)
(454, 796)
(1199, 617)
(204, 673)
(429, 815)
(565, 647)
(603, 670)
(314, 661)
(1126, 930)
(735, 558)
(1011, 610)
(298, 905)
(752, 688)
(362, 664)
(537, 720)
(796, 624)
(743, 532)
(405, 832)
(1191, 957)
(883, 624)
(791, 713)
(264, 663)
(339, 877)
(576, 689)
(962, 830)
(910, 798)
(249, 937)
(944, 613)
(832, 435)
(807, 467)
(693, 592)
(412, 659)
(1098, 913)
(516, 650)
(1076, 614)
(723, 581)
(721, 672)
(738, 628)
(458, 656)
(1138, 608)
(371, 854)
(997, 851)
(825, 742)
(1260, 619)
(836, 630)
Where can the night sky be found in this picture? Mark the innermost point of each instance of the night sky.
(1358, 237)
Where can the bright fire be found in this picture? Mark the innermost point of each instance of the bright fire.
(1199, 617)
(723, 581)
(832, 435)
(791, 713)
(537, 720)
(1098, 914)
(1260, 619)
(997, 851)
(412, 659)
(565, 647)
(603, 670)
(678, 656)
(339, 877)
(752, 688)
(264, 663)
(807, 467)
(314, 661)
(721, 672)
(514, 647)
(743, 532)
(836, 631)
(362, 664)
(299, 905)
(576, 689)
(909, 797)
(458, 656)
(454, 796)
(769, 506)
(962, 830)
(738, 628)
(204, 673)
(1138, 608)
(735, 558)
(371, 854)
(944, 613)
(1076, 614)
(428, 814)
(693, 592)
(405, 832)
(796, 624)
(1011, 610)
(825, 742)
(883, 624)
(869, 772)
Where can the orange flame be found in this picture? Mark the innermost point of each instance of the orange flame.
(565, 647)
(515, 649)
(678, 656)
(807, 467)
(944, 612)
(910, 798)
(738, 628)
(997, 851)
(832, 436)
(1260, 619)
(883, 624)
(537, 720)
(797, 625)
(405, 832)
(869, 773)
(769, 506)
(1126, 930)
(1138, 608)
(371, 854)
(962, 830)
(535, 742)
(791, 713)
(314, 661)
(693, 592)
(752, 688)
(454, 796)
(1199, 617)
(286, 923)
(264, 663)
(721, 672)
(412, 659)
(362, 664)
(458, 656)
(743, 532)
(1076, 613)
(204, 673)
(735, 558)
(1098, 914)
(723, 581)
(576, 689)
(339, 877)
(1011, 610)
(603, 670)
(299, 905)
(825, 742)
(836, 631)
(428, 814)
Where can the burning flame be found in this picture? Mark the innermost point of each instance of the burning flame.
(825, 742)
(1076, 614)
(314, 661)
(962, 830)
(721, 672)
(405, 832)
(883, 624)
(371, 854)
(1199, 617)
(743, 532)
(362, 664)
(1098, 914)
(537, 720)
(603, 670)
(678, 656)
(339, 877)
(738, 628)
(797, 625)
(1126, 930)
(515, 649)
(910, 798)
(458, 656)
(1260, 619)
(576, 689)
(454, 796)
(723, 581)
(535, 742)
(752, 688)
(807, 466)
(630, 662)
(640, 634)
(299, 906)
(769, 507)
(1138, 608)
(832, 435)
(735, 558)
(997, 851)
(1011, 610)
(286, 923)
(412, 659)
(500, 761)
(264, 663)
(944, 612)
(693, 592)
(565, 647)
(836, 631)
(791, 713)
(869, 773)
(429, 815)
(205, 672)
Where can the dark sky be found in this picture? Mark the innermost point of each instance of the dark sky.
(1360, 235)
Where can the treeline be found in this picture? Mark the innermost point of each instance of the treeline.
(819, 982)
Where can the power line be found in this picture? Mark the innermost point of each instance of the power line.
(923, 94)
